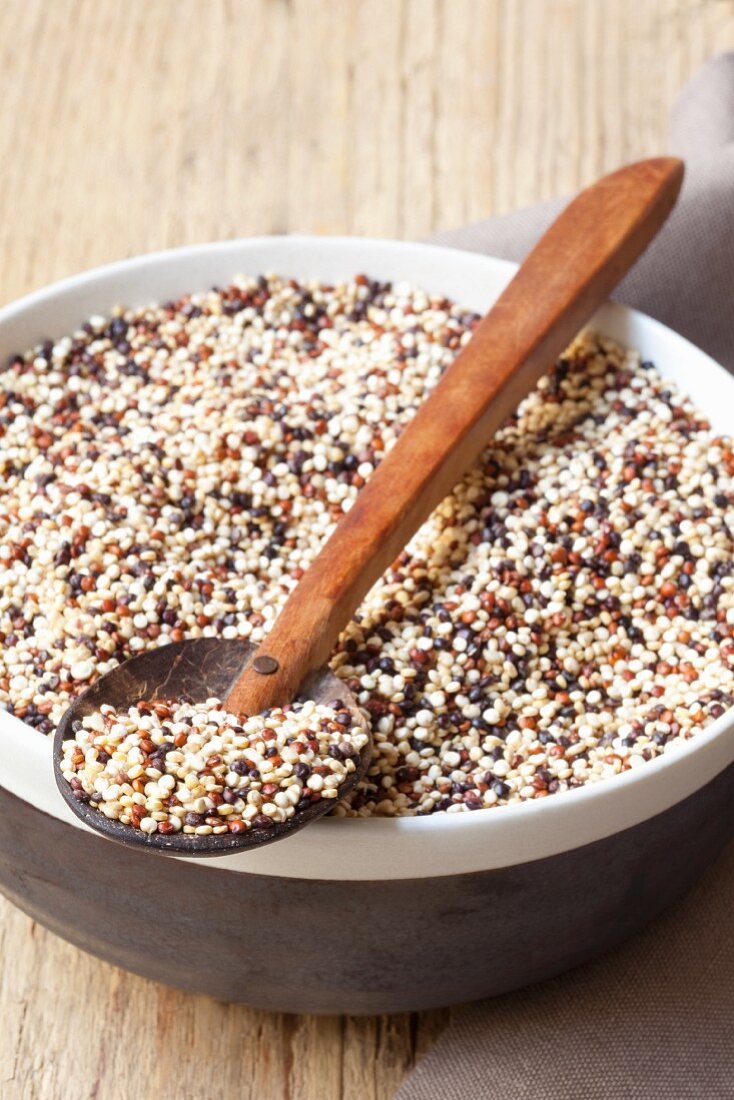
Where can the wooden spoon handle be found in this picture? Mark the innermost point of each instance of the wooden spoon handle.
(566, 277)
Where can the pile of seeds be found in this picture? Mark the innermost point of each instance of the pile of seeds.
(565, 615)
(195, 768)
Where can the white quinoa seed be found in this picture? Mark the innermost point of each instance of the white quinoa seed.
(565, 615)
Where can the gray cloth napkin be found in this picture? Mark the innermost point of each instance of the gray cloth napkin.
(655, 1018)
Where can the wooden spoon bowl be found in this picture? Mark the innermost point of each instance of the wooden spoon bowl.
(199, 669)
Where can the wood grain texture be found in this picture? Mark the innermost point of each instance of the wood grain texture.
(130, 126)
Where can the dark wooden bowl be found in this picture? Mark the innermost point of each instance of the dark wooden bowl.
(429, 935)
(363, 947)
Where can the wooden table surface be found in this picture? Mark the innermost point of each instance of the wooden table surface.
(133, 125)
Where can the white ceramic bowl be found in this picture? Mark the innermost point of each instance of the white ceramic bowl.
(379, 847)
(499, 880)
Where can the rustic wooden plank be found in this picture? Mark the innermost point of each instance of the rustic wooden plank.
(135, 126)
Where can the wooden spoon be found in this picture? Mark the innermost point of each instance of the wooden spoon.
(567, 276)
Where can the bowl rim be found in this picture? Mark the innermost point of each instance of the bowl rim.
(405, 846)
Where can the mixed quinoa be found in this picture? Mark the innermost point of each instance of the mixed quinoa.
(198, 769)
(566, 614)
